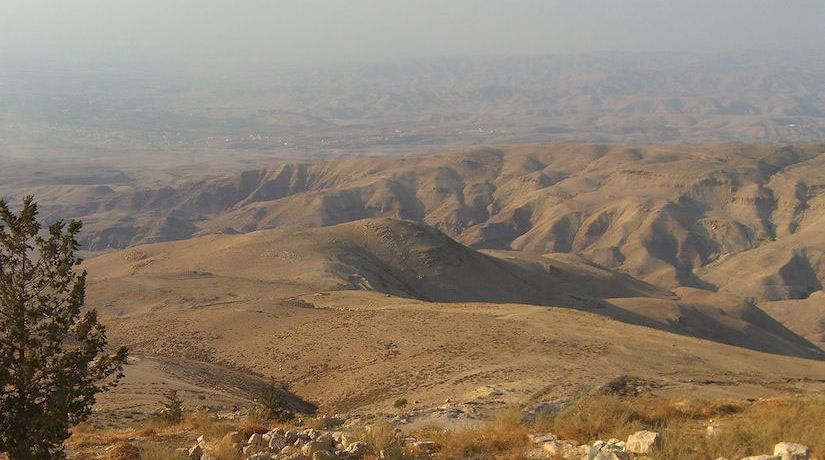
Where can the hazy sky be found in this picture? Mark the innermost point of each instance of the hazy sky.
(312, 31)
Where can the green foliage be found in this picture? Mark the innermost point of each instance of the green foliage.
(271, 405)
(172, 408)
(400, 403)
(53, 357)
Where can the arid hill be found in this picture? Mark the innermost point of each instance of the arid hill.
(672, 216)
(356, 314)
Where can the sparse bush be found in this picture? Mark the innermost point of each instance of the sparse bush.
(400, 403)
(744, 428)
(505, 436)
(208, 425)
(381, 438)
(172, 408)
(271, 405)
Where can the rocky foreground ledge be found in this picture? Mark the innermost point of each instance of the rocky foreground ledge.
(342, 442)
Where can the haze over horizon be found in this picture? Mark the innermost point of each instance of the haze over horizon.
(252, 33)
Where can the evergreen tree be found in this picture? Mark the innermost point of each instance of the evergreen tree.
(53, 358)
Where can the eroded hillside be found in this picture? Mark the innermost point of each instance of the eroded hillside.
(672, 216)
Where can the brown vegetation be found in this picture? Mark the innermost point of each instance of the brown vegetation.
(741, 428)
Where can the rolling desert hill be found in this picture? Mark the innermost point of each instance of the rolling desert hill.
(409, 259)
(355, 315)
(806, 317)
(689, 216)
(401, 258)
(489, 275)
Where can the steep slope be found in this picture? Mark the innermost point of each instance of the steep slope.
(402, 258)
(408, 259)
(667, 215)
(315, 309)
(806, 317)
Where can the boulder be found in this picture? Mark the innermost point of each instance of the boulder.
(260, 456)
(564, 449)
(196, 452)
(327, 439)
(290, 436)
(643, 442)
(296, 456)
(255, 440)
(425, 447)
(542, 438)
(314, 446)
(289, 450)
(324, 455)
(329, 421)
(611, 455)
(357, 449)
(277, 441)
(760, 457)
(791, 451)
(610, 450)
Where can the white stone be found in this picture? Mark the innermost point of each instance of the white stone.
(565, 449)
(276, 442)
(542, 438)
(791, 451)
(314, 446)
(425, 446)
(642, 442)
(255, 440)
(611, 455)
(357, 449)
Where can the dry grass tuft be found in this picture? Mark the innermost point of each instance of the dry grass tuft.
(85, 437)
(752, 431)
(744, 428)
(156, 451)
(504, 437)
(224, 450)
(124, 451)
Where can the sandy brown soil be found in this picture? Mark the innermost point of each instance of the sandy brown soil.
(357, 315)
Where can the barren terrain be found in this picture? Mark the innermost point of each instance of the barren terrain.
(357, 315)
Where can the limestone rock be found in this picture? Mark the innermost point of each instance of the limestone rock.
(357, 449)
(542, 438)
(643, 442)
(791, 451)
(314, 446)
(613, 449)
(425, 447)
(324, 455)
(564, 449)
(255, 440)
(196, 452)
